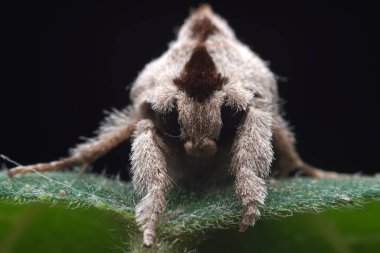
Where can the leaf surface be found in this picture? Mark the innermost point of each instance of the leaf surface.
(103, 210)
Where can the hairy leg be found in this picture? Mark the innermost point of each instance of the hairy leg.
(116, 128)
(287, 158)
(252, 155)
(149, 169)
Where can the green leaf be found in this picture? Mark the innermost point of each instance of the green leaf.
(66, 212)
(342, 231)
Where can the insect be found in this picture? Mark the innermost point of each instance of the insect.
(205, 112)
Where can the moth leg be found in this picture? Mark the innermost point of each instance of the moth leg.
(252, 155)
(287, 158)
(116, 128)
(149, 178)
(40, 167)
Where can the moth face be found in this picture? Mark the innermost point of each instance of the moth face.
(200, 124)
(201, 127)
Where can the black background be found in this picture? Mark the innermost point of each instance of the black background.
(65, 62)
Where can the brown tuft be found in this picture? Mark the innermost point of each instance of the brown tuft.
(203, 8)
(202, 28)
(199, 78)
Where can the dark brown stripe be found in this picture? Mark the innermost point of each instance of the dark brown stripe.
(199, 78)
(202, 28)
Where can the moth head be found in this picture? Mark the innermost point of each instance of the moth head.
(200, 123)
(200, 126)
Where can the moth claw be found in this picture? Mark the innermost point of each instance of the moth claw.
(251, 213)
(147, 245)
(17, 170)
(148, 239)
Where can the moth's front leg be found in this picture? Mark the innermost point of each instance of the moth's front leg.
(252, 155)
(149, 178)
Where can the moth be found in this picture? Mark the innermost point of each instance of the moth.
(204, 113)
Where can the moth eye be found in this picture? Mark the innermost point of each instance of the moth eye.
(170, 122)
(231, 119)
